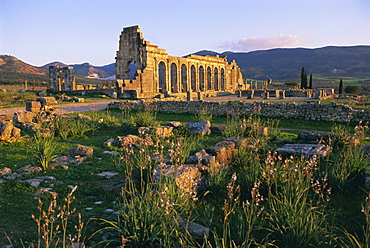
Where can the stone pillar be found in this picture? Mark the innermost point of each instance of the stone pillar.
(188, 96)
(239, 93)
(282, 94)
(199, 96)
(267, 95)
(255, 85)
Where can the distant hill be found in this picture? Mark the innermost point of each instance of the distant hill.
(13, 64)
(88, 70)
(286, 63)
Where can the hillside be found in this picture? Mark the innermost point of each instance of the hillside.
(88, 70)
(286, 63)
(13, 64)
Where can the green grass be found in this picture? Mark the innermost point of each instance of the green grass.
(233, 207)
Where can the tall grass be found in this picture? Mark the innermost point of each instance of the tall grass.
(43, 149)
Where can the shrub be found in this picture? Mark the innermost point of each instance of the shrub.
(352, 89)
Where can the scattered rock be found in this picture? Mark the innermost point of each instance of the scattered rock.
(109, 143)
(174, 124)
(8, 132)
(223, 151)
(161, 132)
(217, 128)
(196, 230)
(110, 152)
(46, 101)
(82, 116)
(108, 174)
(305, 149)
(30, 168)
(81, 150)
(122, 141)
(34, 182)
(5, 171)
(201, 127)
(24, 117)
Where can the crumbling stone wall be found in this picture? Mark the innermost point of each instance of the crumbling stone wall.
(62, 78)
(150, 71)
(307, 111)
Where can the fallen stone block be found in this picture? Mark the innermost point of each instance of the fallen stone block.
(23, 117)
(161, 132)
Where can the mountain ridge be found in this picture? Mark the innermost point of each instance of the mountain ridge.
(277, 63)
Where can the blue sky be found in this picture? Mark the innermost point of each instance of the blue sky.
(78, 31)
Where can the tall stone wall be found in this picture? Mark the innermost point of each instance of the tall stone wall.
(307, 111)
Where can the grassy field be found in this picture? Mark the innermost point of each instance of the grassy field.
(258, 200)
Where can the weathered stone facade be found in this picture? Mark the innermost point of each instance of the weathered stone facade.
(307, 111)
(149, 71)
(62, 78)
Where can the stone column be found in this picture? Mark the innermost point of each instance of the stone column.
(199, 96)
(282, 94)
(188, 96)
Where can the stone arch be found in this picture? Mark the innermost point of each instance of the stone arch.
(193, 78)
(162, 77)
(209, 78)
(184, 78)
(215, 80)
(174, 83)
(201, 78)
(222, 79)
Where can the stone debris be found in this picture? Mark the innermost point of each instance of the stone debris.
(313, 137)
(24, 117)
(81, 150)
(161, 132)
(8, 132)
(223, 151)
(129, 140)
(110, 152)
(5, 171)
(108, 174)
(305, 149)
(201, 127)
(196, 230)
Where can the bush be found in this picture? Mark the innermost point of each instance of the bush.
(352, 89)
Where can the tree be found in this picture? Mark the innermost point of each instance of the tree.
(310, 84)
(352, 89)
(303, 79)
(341, 87)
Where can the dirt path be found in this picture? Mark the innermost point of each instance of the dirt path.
(66, 108)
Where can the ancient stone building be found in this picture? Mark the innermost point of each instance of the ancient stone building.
(148, 71)
(62, 78)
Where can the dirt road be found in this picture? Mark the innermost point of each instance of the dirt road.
(66, 108)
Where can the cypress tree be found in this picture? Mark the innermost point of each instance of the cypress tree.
(302, 78)
(310, 84)
(341, 87)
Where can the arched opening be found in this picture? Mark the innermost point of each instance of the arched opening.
(201, 78)
(215, 80)
(209, 78)
(222, 79)
(174, 84)
(162, 77)
(184, 78)
(193, 78)
(132, 73)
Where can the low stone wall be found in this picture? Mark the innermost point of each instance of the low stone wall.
(307, 111)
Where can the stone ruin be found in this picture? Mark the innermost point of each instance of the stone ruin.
(62, 78)
(143, 70)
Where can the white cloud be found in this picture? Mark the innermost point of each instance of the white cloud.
(262, 43)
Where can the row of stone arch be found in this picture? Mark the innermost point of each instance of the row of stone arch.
(201, 78)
